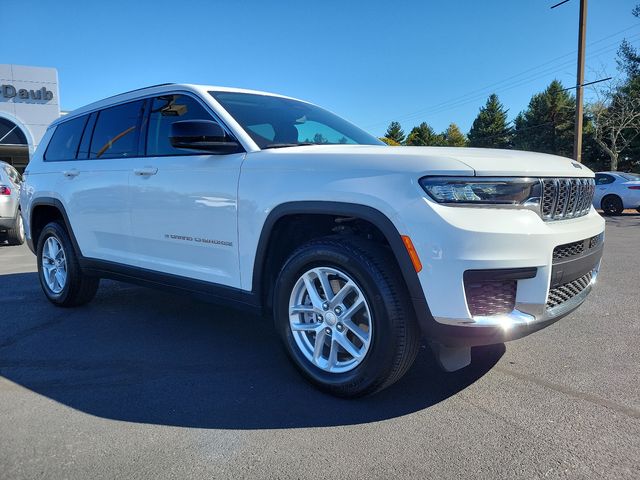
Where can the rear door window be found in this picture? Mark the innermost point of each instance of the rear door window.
(117, 131)
(65, 140)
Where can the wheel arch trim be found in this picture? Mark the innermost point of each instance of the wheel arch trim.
(57, 204)
(364, 212)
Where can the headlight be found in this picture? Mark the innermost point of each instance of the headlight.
(499, 192)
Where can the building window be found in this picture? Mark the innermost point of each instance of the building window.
(14, 148)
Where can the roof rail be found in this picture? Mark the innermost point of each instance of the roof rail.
(137, 89)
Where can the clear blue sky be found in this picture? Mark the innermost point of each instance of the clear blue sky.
(368, 60)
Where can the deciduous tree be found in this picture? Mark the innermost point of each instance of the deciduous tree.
(616, 118)
(388, 141)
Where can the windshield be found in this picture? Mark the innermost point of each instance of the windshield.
(634, 177)
(274, 122)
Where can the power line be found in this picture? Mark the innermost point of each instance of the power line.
(587, 84)
(437, 107)
(466, 99)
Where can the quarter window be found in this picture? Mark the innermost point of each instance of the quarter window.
(117, 131)
(164, 111)
(65, 140)
(603, 179)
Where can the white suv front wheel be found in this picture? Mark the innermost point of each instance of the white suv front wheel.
(343, 312)
(330, 319)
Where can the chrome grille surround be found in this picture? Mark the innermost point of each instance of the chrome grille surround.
(563, 293)
(564, 198)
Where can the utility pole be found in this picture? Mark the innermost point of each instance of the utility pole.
(582, 33)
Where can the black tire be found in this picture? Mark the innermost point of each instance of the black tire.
(612, 205)
(396, 336)
(15, 235)
(79, 288)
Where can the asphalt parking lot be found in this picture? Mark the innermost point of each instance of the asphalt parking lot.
(143, 384)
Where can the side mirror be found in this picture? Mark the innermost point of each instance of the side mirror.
(203, 135)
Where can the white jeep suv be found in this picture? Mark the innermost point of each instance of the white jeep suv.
(277, 205)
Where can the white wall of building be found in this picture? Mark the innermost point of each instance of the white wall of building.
(32, 114)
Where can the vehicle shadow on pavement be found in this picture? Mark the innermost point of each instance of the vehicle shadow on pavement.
(139, 355)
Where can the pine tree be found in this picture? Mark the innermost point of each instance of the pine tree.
(423, 135)
(453, 137)
(395, 133)
(547, 124)
(490, 129)
(319, 139)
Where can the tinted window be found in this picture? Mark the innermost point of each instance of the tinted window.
(65, 140)
(117, 131)
(164, 111)
(602, 179)
(274, 122)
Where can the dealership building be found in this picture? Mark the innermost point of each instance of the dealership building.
(29, 102)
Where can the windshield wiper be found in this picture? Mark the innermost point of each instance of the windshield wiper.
(285, 145)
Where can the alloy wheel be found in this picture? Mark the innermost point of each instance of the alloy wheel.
(330, 319)
(54, 265)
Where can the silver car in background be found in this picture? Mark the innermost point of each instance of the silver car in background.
(11, 228)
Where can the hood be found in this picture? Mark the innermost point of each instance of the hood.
(490, 162)
(426, 160)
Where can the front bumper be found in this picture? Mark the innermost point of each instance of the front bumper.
(457, 240)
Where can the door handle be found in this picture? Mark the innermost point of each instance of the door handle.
(71, 173)
(146, 171)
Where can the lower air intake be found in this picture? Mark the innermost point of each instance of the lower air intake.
(491, 297)
(563, 293)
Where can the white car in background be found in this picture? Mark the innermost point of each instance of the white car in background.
(616, 191)
(11, 226)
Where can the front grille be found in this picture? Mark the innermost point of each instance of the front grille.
(559, 295)
(566, 197)
(576, 248)
(490, 297)
(595, 241)
(568, 250)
